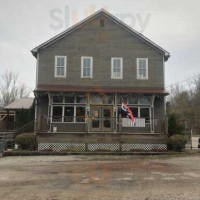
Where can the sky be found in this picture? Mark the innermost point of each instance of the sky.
(172, 24)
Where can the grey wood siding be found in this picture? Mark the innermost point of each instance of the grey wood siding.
(101, 43)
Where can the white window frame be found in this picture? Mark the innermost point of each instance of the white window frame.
(147, 70)
(63, 113)
(121, 67)
(65, 67)
(91, 66)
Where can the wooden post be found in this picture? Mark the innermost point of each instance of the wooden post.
(166, 126)
(120, 123)
(120, 131)
(7, 125)
(191, 138)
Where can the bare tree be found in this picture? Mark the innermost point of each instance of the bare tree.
(185, 103)
(11, 89)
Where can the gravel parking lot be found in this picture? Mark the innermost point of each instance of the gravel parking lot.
(100, 177)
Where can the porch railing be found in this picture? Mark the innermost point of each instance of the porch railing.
(86, 124)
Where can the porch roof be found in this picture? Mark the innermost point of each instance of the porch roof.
(99, 89)
(22, 103)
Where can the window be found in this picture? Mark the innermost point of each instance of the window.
(144, 113)
(57, 114)
(142, 68)
(60, 66)
(69, 98)
(116, 68)
(144, 101)
(132, 100)
(57, 99)
(134, 111)
(81, 99)
(69, 114)
(86, 67)
(96, 99)
(108, 99)
(121, 98)
(80, 114)
(138, 112)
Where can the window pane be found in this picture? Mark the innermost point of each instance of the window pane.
(69, 99)
(116, 74)
(142, 64)
(60, 61)
(57, 114)
(142, 72)
(81, 99)
(108, 99)
(144, 100)
(134, 111)
(96, 98)
(132, 100)
(144, 113)
(86, 62)
(60, 71)
(116, 68)
(80, 114)
(116, 63)
(121, 98)
(69, 114)
(123, 114)
(86, 72)
(57, 99)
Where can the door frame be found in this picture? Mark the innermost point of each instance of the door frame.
(101, 119)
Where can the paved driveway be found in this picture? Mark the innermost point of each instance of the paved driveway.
(100, 177)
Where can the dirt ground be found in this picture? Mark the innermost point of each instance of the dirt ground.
(100, 177)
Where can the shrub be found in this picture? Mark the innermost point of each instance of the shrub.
(26, 141)
(173, 125)
(177, 142)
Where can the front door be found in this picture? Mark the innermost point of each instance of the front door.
(101, 118)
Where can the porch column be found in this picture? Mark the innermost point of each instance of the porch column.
(7, 124)
(152, 113)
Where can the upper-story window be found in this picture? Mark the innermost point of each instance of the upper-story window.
(116, 68)
(60, 66)
(86, 67)
(142, 68)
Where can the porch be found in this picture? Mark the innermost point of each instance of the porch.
(86, 121)
(99, 112)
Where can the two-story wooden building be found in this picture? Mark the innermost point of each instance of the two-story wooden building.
(84, 74)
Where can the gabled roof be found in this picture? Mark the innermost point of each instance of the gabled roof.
(23, 103)
(93, 16)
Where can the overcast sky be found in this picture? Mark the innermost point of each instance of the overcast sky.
(174, 25)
